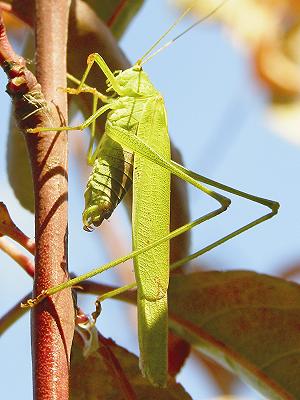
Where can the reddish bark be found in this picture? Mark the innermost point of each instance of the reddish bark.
(53, 319)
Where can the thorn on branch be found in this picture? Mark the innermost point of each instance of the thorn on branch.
(10, 229)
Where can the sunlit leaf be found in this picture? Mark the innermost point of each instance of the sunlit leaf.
(246, 321)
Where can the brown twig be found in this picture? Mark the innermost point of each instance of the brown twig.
(13, 314)
(98, 289)
(24, 261)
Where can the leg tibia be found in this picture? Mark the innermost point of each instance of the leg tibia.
(84, 125)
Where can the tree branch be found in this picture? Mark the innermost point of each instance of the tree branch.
(53, 319)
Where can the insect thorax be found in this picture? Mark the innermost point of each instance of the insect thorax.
(127, 110)
(135, 83)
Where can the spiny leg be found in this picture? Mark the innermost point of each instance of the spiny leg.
(273, 205)
(93, 154)
(137, 145)
(84, 125)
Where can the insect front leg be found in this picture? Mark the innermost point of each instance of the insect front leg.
(84, 88)
(95, 57)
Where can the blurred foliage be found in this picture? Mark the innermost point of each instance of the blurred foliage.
(117, 14)
(270, 31)
(14, 24)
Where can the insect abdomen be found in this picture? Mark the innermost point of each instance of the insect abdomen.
(109, 180)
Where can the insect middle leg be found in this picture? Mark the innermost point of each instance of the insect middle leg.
(80, 127)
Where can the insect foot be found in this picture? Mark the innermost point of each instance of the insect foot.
(33, 130)
(70, 90)
(33, 302)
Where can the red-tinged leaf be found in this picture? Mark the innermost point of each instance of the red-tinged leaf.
(248, 322)
(112, 373)
(178, 351)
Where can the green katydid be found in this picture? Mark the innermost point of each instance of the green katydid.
(136, 123)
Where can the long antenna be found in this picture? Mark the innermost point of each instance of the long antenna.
(165, 34)
(145, 59)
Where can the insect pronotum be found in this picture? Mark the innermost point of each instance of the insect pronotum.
(136, 123)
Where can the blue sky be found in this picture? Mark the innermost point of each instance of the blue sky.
(216, 118)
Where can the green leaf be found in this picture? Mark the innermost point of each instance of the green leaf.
(113, 373)
(249, 322)
(116, 13)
